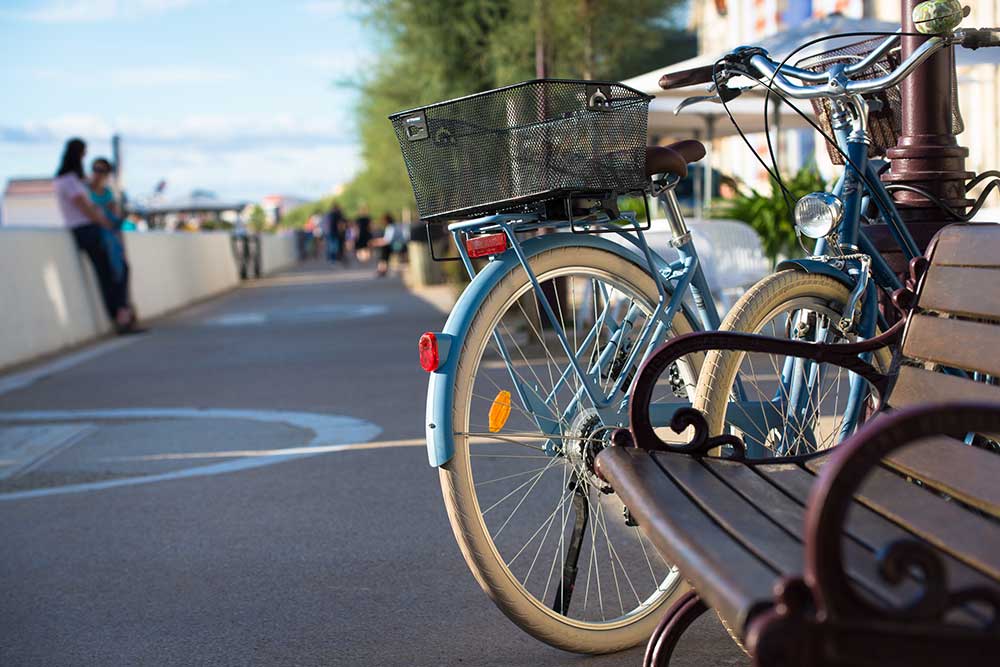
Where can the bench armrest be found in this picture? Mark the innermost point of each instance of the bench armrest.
(844, 355)
(831, 497)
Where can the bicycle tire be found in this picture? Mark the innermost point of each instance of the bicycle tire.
(459, 488)
(750, 313)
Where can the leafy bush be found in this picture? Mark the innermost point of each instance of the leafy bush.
(215, 224)
(769, 214)
(258, 219)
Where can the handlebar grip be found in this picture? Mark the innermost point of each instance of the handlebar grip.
(980, 37)
(688, 77)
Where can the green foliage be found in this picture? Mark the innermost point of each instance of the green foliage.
(258, 219)
(635, 204)
(215, 224)
(769, 214)
(438, 49)
(298, 216)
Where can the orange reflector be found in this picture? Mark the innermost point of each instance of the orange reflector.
(486, 244)
(428, 347)
(499, 411)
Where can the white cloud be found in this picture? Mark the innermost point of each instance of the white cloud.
(303, 170)
(62, 126)
(227, 131)
(141, 75)
(92, 11)
(336, 63)
(247, 168)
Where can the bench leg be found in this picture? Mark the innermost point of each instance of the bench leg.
(680, 615)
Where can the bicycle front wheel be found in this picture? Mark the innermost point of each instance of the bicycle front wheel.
(544, 536)
(778, 405)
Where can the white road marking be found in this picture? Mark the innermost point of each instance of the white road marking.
(35, 444)
(330, 432)
(28, 377)
(304, 314)
(238, 319)
(337, 275)
(238, 453)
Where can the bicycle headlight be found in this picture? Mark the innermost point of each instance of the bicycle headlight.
(817, 214)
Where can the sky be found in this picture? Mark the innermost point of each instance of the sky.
(241, 97)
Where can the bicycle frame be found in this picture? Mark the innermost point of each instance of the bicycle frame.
(674, 282)
(855, 258)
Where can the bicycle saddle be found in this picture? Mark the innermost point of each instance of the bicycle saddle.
(673, 159)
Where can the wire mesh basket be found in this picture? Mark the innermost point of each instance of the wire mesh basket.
(885, 121)
(532, 141)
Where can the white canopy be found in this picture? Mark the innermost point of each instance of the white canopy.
(711, 118)
(780, 44)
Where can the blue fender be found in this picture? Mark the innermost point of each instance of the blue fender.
(440, 388)
(807, 265)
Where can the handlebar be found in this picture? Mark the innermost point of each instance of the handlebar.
(687, 77)
(976, 38)
(837, 86)
(755, 63)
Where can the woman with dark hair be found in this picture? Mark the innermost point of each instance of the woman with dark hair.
(89, 225)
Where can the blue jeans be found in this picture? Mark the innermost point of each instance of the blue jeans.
(90, 238)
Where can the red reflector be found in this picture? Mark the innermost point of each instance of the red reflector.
(428, 347)
(487, 244)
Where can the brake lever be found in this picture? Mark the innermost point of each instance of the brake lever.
(722, 94)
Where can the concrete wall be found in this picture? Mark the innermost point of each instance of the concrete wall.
(277, 252)
(49, 296)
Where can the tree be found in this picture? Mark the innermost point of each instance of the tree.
(438, 49)
(258, 220)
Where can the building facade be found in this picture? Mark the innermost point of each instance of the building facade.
(30, 202)
(724, 24)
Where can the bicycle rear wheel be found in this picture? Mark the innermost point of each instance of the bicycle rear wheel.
(521, 495)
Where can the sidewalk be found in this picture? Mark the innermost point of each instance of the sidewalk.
(247, 484)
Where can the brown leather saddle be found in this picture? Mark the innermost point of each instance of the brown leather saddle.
(673, 159)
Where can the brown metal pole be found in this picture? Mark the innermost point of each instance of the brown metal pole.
(927, 154)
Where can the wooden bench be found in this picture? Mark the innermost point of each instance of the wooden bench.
(883, 551)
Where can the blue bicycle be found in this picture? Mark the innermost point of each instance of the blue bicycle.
(531, 374)
(790, 406)
(532, 370)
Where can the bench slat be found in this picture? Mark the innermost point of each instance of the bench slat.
(916, 385)
(731, 579)
(968, 473)
(752, 528)
(951, 528)
(859, 559)
(863, 524)
(968, 245)
(957, 343)
(960, 290)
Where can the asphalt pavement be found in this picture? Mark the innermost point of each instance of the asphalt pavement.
(196, 495)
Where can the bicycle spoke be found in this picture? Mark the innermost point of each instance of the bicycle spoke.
(527, 510)
(532, 481)
(506, 477)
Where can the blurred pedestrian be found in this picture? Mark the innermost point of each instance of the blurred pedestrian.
(104, 197)
(350, 240)
(392, 242)
(728, 188)
(335, 233)
(363, 223)
(88, 224)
